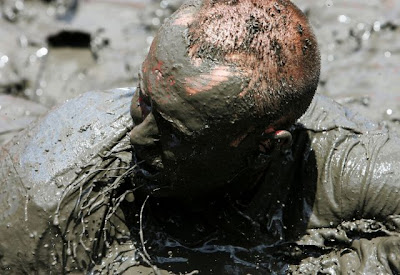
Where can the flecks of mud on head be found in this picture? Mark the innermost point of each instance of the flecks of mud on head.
(269, 40)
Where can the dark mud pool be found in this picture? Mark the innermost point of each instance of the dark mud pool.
(55, 50)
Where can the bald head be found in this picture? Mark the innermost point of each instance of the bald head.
(272, 45)
(230, 62)
(218, 74)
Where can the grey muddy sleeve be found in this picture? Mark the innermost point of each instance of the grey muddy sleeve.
(56, 183)
(355, 211)
(358, 165)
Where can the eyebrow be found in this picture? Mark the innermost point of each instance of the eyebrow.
(236, 142)
(177, 124)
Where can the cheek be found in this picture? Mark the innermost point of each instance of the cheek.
(171, 145)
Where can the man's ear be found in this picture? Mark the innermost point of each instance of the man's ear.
(283, 139)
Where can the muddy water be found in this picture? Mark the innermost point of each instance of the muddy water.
(39, 63)
(108, 39)
(360, 51)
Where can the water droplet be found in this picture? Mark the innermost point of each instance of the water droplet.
(42, 52)
(39, 92)
(155, 21)
(159, 12)
(130, 197)
(388, 54)
(56, 221)
(343, 18)
(164, 4)
(377, 26)
(366, 35)
(51, 11)
(19, 5)
(3, 60)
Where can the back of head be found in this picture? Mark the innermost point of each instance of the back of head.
(271, 43)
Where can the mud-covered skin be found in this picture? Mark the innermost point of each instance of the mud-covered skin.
(187, 120)
(196, 124)
(57, 181)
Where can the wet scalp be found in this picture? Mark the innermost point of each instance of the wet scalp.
(271, 42)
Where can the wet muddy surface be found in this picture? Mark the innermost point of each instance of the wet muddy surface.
(52, 51)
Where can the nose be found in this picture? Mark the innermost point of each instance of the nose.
(145, 133)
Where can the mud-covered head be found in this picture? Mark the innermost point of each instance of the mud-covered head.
(271, 42)
(217, 75)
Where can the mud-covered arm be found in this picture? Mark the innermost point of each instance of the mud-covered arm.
(370, 177)
(357, 164)
(59, 185)
(353, 201)
(356, 247)
(358, 178)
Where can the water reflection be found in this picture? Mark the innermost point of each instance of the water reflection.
(3, 60)
(377, 26)
(388, 54)
(343, 19)
(42, 52)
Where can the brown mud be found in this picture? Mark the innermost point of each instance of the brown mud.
(52, 51)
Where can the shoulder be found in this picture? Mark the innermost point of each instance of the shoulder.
(49, 154)
(325, 114)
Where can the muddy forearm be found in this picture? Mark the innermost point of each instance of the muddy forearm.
(358, 177)
(370, 178)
